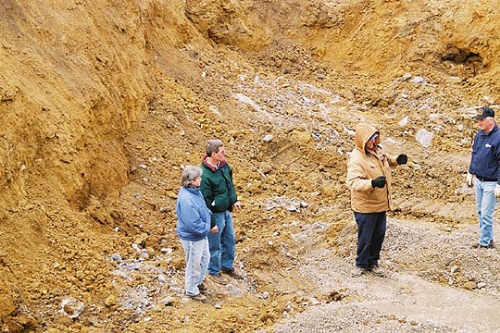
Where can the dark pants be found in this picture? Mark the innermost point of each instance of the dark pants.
(371, 233)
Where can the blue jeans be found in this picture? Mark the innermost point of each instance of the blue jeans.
(197, 257)
(371, 234)
(222, 244)
(485, 204)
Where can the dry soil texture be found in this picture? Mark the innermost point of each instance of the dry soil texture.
(103, 102)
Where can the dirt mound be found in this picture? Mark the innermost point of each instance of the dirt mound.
(103, 103)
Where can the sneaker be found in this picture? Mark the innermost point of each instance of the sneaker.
(218, 278)
(492, 244)
(202, 288)
(233, 273)
(377, 270)
(358, 271)
(199, 298)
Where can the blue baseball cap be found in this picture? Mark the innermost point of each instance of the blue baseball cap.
(484, 112)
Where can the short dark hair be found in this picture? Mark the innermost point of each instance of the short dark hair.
(213, 146)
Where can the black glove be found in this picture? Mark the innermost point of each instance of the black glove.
(379, 182)
(402, 159)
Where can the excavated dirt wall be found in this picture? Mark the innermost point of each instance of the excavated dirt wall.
(102, 103)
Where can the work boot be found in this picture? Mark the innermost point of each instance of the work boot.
(199, 298)
(233, 273)
(377, 270)
(480, 246)
(218, 278)
(358, 271)
(202, 288)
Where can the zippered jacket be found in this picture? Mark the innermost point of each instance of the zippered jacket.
(193, 216)
(485, 157)
(217, 187)
(362, 167)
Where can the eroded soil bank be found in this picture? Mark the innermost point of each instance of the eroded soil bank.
(103, 103)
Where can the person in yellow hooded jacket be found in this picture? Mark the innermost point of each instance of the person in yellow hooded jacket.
(369, 180)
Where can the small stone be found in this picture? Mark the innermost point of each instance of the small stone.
(271, 206)
(419, 80)
(406, 76)
(110, 301)
(72, 307)
(116, 257)
(470, 285)
(268, 138)
(403, 122)
(168, 301)
(166, 250)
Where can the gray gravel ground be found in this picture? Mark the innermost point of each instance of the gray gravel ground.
(435, 283)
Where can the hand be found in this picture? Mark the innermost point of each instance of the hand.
(379, 182)
(402, 159)
(237, 205)
(497, 191)
(214, 230)
(470, 177)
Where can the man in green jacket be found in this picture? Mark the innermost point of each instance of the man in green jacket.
(220, 196)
